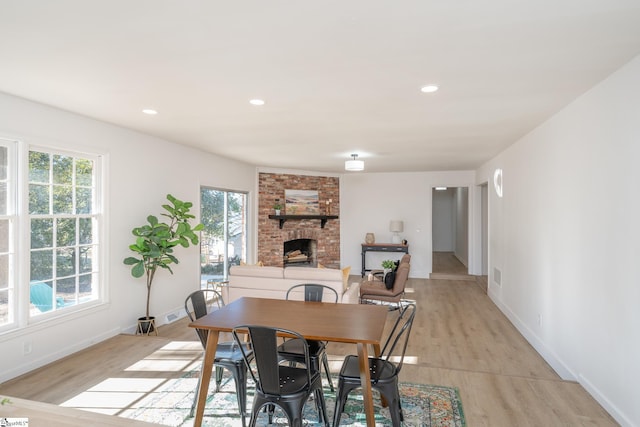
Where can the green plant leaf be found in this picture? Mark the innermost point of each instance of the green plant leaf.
(138, 270)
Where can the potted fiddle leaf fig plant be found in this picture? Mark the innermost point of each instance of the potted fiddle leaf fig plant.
(154, 246)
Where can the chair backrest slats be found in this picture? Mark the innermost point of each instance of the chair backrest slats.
(264, 344)
(197, 305)
(398, 339)
(314, 292)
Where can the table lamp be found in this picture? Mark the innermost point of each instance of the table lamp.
(396, 227)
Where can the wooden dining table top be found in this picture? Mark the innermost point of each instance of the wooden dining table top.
(346, 323)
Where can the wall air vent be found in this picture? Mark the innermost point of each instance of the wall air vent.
(497, 276)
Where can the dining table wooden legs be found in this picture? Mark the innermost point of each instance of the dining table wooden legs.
(205, 375)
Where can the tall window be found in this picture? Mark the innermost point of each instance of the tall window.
(64, 221)
(56, 201)
(224, 238)
(7, 233)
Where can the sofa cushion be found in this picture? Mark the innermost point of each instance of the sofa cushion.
(389, 279)
(345, 278)
(256, 271)
(273, 282)
(309, 274)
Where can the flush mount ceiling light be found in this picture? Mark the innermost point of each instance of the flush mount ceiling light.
(429, 88)
(150, 111)
(354, 164)
(256, 102)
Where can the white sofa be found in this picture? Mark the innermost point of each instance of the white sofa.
(273, 282)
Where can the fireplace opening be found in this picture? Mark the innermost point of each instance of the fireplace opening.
(301, 253)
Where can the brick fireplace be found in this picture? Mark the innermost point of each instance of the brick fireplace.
(271, 238)
(300, 253)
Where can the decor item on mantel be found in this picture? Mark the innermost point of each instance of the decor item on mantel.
(396, 227)
(302, 202)
(277, 206)
(370, 238)
(154, 248)
(328, 207)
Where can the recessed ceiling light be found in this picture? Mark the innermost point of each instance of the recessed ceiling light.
(441, 188)
(429, 88)
(256, 102)
(149, 111)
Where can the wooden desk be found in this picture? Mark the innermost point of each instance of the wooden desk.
(360, 324)
(380, 247)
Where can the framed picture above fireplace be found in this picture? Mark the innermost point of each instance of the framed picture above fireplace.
(301, 202)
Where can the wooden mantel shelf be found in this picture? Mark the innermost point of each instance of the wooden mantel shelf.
(323, 218)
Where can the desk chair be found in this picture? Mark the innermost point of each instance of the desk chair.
(291, 350)
(376, 291)
(229, 355)
(384, 373)
(285, 386)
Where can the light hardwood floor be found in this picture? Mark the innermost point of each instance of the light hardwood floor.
(460, 339)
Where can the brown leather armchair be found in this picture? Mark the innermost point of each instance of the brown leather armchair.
(374, 291)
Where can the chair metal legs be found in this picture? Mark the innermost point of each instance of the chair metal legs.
(239, 374)
(388, 390)
(325, 362)
(291, 407)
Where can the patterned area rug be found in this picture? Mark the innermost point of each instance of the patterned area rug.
(422, 405)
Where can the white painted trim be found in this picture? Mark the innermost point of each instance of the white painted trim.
(547, 354)
(56, 355)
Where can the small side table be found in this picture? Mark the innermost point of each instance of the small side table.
(380, 247)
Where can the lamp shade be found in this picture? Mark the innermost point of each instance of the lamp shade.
(396, 226)
(354, 164)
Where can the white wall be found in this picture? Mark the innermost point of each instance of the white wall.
(141, 171)
(368, 201)
(566, 235)
(443, 227)
(462, 225)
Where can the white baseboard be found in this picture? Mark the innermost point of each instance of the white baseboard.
(548, 355)
(559, 366)
(55, 355)
(164, 319)
(612, 409)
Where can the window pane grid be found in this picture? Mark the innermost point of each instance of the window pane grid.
(64, 229)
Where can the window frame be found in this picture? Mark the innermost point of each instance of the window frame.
(13, 291)
(245, 231)
(21, 241)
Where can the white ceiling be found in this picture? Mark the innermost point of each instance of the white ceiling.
(339, 77)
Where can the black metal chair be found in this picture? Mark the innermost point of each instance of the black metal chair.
(291, 350)
(228, 354)
(279, 385)
(384, 373)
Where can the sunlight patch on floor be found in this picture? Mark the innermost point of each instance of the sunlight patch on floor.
(118, 395)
